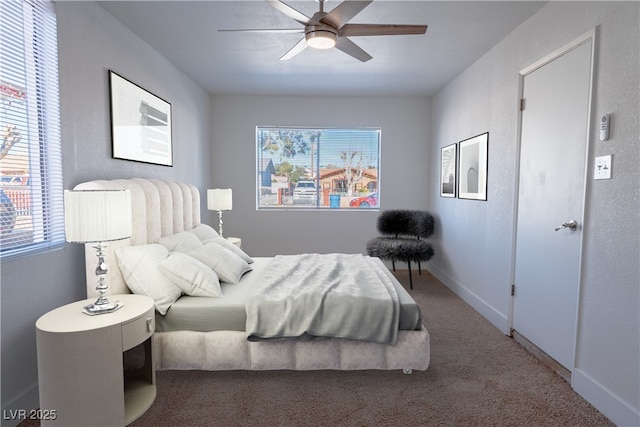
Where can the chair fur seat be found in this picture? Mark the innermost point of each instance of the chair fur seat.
(401, 249)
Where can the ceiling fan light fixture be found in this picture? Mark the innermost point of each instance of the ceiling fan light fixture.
(321, 39)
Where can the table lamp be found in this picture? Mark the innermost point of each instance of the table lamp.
(98, 216)
(219, 199)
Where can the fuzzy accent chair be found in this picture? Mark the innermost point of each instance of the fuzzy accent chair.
(403, 233)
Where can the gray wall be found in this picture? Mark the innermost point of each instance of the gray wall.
(403, 176)
(484, 98)
(90, 43)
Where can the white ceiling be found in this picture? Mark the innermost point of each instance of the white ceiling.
(186, 33)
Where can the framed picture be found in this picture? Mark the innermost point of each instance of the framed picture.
(140, 123)
(472, 167)
(448, 170)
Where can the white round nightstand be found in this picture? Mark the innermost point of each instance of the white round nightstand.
(81, 375)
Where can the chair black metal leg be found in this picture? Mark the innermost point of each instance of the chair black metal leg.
(419, 269)
(393, 263)
(410, 279)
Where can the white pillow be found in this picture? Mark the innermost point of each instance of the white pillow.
(180, 242)
(204, 232)
(228, 266)
(228, 245)
(190, 275)
(139, 266)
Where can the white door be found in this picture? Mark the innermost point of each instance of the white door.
(553, 150)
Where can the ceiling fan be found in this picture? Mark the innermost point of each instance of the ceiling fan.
(325, 30)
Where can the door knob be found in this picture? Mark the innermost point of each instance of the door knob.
(571, 225)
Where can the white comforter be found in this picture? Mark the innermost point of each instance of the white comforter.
(330, 295)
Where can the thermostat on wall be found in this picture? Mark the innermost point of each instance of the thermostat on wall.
(604, 127)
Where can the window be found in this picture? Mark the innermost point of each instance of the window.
(317, 168)
(31, 209)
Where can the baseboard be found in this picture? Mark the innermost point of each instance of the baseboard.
(614, 408)
(497, 319)
(17, 410)
(542, 356)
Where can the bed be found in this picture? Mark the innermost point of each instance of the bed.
(163, 209)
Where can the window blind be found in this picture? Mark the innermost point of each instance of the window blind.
(31, 189)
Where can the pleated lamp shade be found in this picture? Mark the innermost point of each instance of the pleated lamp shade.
(219, 199)
(97, 215)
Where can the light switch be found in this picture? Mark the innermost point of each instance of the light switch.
(602, 167)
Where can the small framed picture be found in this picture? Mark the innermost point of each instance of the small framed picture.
(472, 167)
(448, 160)
(140, 123)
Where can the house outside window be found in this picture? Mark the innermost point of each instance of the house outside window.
(318, 168)
(31, 207)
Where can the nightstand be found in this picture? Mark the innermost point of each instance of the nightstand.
(97, 370)
(236, 241)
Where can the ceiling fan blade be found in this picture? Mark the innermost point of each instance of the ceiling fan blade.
(350, 48)
(265, 30)
(344, 12)
(380, 30)
(291, 12)
(299, 47)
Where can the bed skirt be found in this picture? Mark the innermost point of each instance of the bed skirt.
(230, 350)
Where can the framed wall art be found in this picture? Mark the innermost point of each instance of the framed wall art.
(472, 167)
(140, 123)
(448, 160)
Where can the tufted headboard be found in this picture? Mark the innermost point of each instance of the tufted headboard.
(158, 208)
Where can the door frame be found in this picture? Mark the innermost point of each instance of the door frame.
(590, 35)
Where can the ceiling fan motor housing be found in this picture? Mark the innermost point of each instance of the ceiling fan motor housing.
(321, 36)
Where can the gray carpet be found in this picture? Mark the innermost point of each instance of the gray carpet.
(477, 377)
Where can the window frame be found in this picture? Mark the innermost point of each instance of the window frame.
(30, 35)
(366, 175)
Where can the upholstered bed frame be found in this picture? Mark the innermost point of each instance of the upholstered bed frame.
(162, 208)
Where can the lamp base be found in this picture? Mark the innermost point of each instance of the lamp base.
(220, 224)
(105, 308)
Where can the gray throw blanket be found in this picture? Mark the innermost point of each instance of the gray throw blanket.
(323, 295)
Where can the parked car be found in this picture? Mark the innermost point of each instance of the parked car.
(305, 190)
(7, 213)
(370, 201)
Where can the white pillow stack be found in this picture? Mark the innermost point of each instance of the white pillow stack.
(191, 262)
